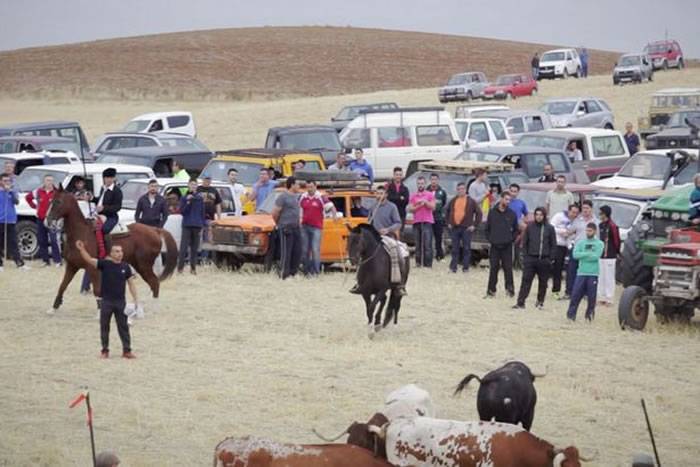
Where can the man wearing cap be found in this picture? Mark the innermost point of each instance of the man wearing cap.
(109, 202)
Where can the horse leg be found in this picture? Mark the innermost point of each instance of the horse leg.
(67, 278)
(371, 307)
(146, 272)
(390, 309)
(378, 313)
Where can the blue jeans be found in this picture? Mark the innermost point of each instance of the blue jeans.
(424, 244)
(47, 236)
(461, 239)
(571, 269)
(584, 285)
(311, 249)
(110, 223)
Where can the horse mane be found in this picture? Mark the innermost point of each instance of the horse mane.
(369, 228)
(74, 203)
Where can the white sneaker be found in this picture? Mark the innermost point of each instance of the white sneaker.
(2, 268)
(58, 265)
(24, 267)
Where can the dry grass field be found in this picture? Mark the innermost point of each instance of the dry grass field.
(245, 353)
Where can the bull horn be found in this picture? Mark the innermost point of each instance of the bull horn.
(588, 458)
(329, 440)
(541, 375)
(380, 431)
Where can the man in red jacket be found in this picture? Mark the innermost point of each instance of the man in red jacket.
(40, 199)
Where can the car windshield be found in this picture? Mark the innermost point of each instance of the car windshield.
(622, 213)
(131, 192)
(192, 143)
(647, 166)
(656, 48)
(553, 142)
(32, 178)
(457, 79)
(311, 141)
(552, 57)
(629, 60)
(248, 172)
(349, 113)
(121, 159)
(478, 156)
(269, 203)
(559, 107)
(136, 126)
(677, 119)
(506, 79)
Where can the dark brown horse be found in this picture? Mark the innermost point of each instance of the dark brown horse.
(141, 245)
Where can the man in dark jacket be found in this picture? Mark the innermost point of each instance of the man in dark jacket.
(539, 246)
(463, 216)
(501, 231)
(438, 217)
(151, 208)
(397, 193)
(192, 210)
(609, 234)
(109, 202)
(547, 174)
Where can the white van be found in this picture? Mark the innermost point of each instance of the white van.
(394, 138)
(168, 122)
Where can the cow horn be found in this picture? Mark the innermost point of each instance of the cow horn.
(541, 375)
(380, 431)
(588, 458)
(329, 440)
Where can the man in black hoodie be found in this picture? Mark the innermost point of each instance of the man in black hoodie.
(539, 245)
(501, 230)
(398, 193)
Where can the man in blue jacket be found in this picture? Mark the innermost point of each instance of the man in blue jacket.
(192, 210)
(8, 220)
(361, 166)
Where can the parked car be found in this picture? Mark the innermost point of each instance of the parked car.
(470, 110)
(253, 238)
(64, 174)
(654, 169)
(527, 159)
(121, 140)
(511, 86)
(59, 128)
(664, 103)
(395, 138)
(477, 132)
(633, 68)
(559, 63)
(604, 151)
(160, 158)
(665, 54)
(628, 207)
(677, 134)
(308, 138)
(156, 122)
(519, 122)
(590, 112)
(22, 160)
(463, 87)
(248, 163)
(17, 143)
(133, 189)
(349, 112)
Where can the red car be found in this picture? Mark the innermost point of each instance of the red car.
(665, 54)
(510, 87)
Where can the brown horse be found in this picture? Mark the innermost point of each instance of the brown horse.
(141, 245)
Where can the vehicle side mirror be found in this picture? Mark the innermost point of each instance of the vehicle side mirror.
(580, 113)
(511, 129)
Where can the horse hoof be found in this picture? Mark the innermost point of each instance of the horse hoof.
(51, 311)
(370, 331)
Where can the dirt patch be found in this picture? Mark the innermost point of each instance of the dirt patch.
(260, 63)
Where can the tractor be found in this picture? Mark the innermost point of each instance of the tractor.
(675, 290)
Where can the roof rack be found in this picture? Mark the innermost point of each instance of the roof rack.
(263, 152)
(464, 166)
(333, 179)
(402, 110)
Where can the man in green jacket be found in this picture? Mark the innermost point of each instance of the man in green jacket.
(587, 251)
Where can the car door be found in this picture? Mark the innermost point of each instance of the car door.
(516, 127)
(594, 114)
(478, 134)
(335, 231)
(435, 142)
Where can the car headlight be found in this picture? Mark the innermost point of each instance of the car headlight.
(695, 142)
(645, 227)
(669, 229)
(658, 214)
(676, 216)
(685, 217)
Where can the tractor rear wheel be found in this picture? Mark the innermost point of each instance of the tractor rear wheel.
(632, 268)
(633, 310)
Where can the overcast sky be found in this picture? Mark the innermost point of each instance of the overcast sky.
(606, 24)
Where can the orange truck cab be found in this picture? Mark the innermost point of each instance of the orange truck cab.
(253, 238)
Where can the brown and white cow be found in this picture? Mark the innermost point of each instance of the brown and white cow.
(424, 441)
(259, 452)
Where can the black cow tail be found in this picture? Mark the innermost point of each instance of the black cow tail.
(463, 384)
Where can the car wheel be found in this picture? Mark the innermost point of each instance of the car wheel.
(565, 74)
(578, 72)
(509, 96)
(27, 239)
(615, 82)
(631, 263)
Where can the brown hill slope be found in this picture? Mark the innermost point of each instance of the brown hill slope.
(262, 62)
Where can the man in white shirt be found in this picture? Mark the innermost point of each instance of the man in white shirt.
(238, 191)
(479, 189)
(562, 222)
(578, 230)
(573, 152)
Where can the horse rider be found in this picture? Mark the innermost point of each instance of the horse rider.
(109, 202)
(385, 218)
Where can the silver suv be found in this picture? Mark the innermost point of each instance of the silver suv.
(463, 87)
(579, 112)
(633, 68)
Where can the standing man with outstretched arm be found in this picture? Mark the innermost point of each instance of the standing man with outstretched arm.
(8, 219)
(115, 275)
(193, 219)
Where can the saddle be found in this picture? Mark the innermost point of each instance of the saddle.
(398, 252)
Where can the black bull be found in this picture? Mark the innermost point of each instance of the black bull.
(506, 394)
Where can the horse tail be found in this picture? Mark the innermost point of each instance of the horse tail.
(170, 254)
(463, 384)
